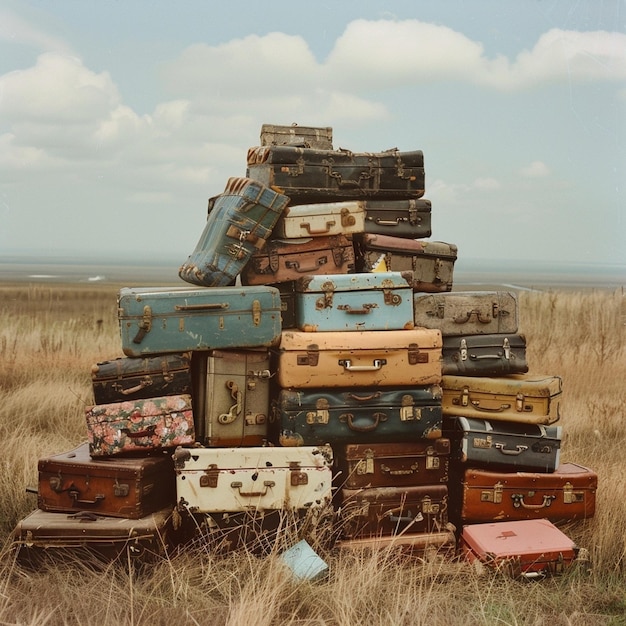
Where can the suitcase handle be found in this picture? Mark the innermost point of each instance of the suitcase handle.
(495, 409)
(320, 231)
(146, 432)
(295, 265)
(503, 450)
(268, 484)
(518, 501)
(364, 310)
(145, 382)
(371, 396)
(395, 222)
(201, 307)
(459, 319)
(349, 417)
(376, 365)
(74, 493)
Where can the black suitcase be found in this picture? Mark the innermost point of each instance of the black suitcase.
(307, 175)
(136, 378)
(484, 355)
(399, 218)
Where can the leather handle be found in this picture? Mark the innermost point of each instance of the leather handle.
(362, 429)
(320, 231)
(518, 449)
(371, 396)
(268, 484)
(518, 501)
(202, 307)
(463, 319)
(74, 494)
(146, 432)
(486, 409)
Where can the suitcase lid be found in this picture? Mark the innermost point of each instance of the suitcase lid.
(252, 457)
(411, 247)
(359, 451)
(332, 283)
(361, 341)
(408, 494)
(117, 369)
(468, 425)
(529, 539)
(563, 474)
(530, 385)
(421, 205)
(502, 341)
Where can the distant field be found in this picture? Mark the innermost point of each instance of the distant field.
(51, 335)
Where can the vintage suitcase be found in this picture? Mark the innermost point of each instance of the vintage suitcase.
(307, 175)
(231, 397)
(568, 493)
(430, 262)
(45, 537)
(527, 398)
(217, 480)
(399, 218)
(526, 548)
(484, 355)
(376, 358)
(384, 511)
(120, 487)
(284, 260)
(322, 219)
(139, 425)
(396, 464)
(360, 415)
(133, 378)
(155, 320)
(376, 301)
(512, 446)
(317, 137)
(239, 222)
(467, 312)
(441, 543)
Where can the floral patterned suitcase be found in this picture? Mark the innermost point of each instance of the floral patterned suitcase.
(140, 425)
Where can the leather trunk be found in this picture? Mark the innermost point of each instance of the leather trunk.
(484, 355)
(239, 222)
(228, 480)
(121, 487)
(527, 548)
(158, 320)
(430, 262)
(360, 415)
(467, 312)
(396, 464)
(322, 219)
(399, 218)
(134, 378)
(377, 358)
(307, 175)
(317, 137)
(44, 538)
(567, 494)
(512, 446)
(285, 260)
(527, 398)
(385, 511)
(373, 301)
(139, 426)
(231, 397)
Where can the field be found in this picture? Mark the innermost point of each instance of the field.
(51, 335)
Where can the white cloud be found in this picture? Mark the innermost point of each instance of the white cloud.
(486, 183)
(536, 169)
(14, 29)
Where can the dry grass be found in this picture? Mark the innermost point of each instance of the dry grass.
(50, 336)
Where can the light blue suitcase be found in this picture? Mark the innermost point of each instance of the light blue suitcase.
(352, 302)
(155, 320)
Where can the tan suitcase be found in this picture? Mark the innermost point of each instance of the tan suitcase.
(321, 219)
(527, 398)
(377, 358)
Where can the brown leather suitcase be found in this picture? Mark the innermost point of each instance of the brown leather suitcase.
(441, 543)
(283, 260)
(385, 511)
(129, 487)
(394, 464)
(431, 262)
(378, 358)
(569, 493)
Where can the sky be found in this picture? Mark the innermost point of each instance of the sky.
(120, 118)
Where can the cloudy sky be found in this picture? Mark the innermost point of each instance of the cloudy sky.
(120, 118)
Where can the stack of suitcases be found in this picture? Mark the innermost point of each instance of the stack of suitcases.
(317, 368)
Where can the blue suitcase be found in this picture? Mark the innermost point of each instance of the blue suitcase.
(371, 301)
(156, 320)
(240, 220)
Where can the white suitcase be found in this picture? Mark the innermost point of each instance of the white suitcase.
(229, 480)
(322, 219)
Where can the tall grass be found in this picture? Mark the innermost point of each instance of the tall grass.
(50, 336)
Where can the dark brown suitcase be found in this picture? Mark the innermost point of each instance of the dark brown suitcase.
(129, 487)
(569, 493)
(283, 260)
(394, 464)
(307, 175)
(431, 262)
(399, 218)
(135, 378)
(393, 510)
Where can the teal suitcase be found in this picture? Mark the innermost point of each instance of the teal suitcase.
(156, 320)
(240, 220)
(372, 301)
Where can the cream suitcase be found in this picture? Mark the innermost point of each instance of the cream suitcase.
(321, 219)
(229, 480)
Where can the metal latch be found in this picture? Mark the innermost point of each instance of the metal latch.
(235, 409)
(570, 496)
(347, 219)
(145, 325)
(297, 476)
(429, 507)
(326, 301)
(256, 312)
(366, 465)
(408, 410)
(492, 495)
(463, 349)
(390, 297)
(311, 357)
(210, 476)
(415, 356)
(321, 415)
